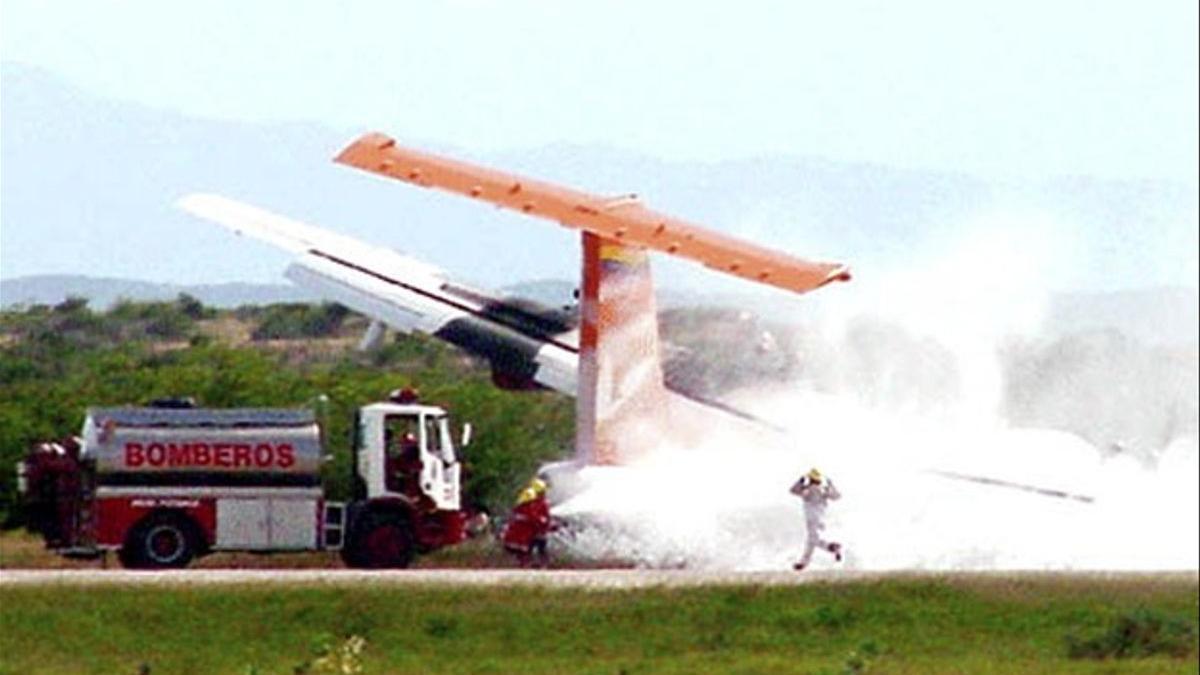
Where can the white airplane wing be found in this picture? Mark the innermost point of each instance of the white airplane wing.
(528, 345)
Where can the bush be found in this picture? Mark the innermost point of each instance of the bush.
(192, 308)
(74, 304)
(157, 319)
(297, 320)
(1136, 634)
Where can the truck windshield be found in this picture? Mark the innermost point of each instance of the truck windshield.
(438, 438)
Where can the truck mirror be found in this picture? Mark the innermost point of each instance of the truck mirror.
(466, 435)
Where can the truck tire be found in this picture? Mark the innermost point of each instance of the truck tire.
(379, 541)
(160, 541)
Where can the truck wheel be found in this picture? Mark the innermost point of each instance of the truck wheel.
(381, 541)
(161, 541)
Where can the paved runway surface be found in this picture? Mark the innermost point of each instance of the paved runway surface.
(587, 579)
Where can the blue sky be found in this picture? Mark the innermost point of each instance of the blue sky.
(1005, 89)
(1017, 94)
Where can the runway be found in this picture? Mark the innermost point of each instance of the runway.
(575, 579)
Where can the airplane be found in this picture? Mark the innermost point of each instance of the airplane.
(606, 354)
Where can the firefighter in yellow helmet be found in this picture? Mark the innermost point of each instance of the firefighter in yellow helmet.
(525, 534)
(535, 489)
(817, 491)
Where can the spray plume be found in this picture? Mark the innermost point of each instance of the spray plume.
(864, 415)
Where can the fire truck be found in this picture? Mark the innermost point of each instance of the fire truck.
(164, 484)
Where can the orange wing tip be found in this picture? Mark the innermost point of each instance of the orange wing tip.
(358, 153)
(840, 274)
(621, 218)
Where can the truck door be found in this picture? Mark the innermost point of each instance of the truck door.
(440, 480)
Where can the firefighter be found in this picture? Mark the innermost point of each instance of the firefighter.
(403, 464)
(525, 534)
(54, 490)
(816, 491)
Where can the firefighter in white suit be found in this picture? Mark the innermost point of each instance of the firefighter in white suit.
(816, 491)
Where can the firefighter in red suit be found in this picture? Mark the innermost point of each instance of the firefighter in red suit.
(525, 534)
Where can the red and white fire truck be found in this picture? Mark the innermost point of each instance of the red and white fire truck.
(164, 484)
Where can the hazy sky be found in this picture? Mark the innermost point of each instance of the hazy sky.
(1009, 88)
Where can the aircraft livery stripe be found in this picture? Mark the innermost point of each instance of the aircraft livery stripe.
(483, 315)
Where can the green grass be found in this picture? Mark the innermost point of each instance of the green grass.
(967, 624)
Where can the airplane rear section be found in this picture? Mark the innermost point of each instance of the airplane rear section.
(623, 408)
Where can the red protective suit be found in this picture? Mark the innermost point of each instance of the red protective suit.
(527, 528)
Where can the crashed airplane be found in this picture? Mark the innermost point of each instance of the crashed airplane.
(606, 355)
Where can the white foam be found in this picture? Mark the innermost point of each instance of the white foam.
(725, 504)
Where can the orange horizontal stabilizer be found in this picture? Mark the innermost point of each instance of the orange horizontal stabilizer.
(622, 219)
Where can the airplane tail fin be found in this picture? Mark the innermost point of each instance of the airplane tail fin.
(622, 406)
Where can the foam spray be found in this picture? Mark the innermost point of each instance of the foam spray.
(724, 504)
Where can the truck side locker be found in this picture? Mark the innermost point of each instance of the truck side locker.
(242, 524)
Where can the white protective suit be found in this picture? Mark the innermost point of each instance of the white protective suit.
(816, 496)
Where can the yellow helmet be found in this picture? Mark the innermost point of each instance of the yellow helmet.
(536, 488)
(814, 475)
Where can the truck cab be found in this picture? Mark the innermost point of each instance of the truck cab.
(408, 494)
(406, 451)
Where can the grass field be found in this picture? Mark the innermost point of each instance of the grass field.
(955, 624)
